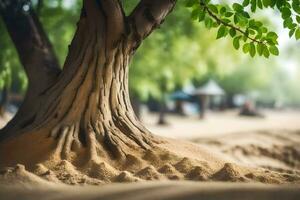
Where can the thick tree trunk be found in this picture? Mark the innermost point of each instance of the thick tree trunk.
(136, 105)
(87, 110)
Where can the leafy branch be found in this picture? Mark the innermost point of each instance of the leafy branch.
(289, 9)
(236, 22)
(219, 20)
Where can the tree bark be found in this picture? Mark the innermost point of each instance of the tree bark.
(36, 55)
(162, 108)
(136, 105)
(162, 114)
(87, 108)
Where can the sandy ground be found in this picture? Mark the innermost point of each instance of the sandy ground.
(215, 123)
(154, 191)
(272, 143)
(222, 123)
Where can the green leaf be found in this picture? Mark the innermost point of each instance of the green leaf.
(296, 6)
(280, 3)
(263, 29)
(201, 16)
(223, 10)
(286, 12)
(274, 50)
(297, 34)
(288, 22)
(195, 14)
(208, 22)
(298, 19)
(191, 3)
(228, 14)
(252, 49)
(267, 3)
(260, 49)
(272, 36)
(213, 8)
(245, 38)
(236, 42)
(236, 19)
(266, 53)
(259, 4)
(245, 14)
(291, 33)
(253, 5)
(246, 3)
(237, 7)
(232, 32)
(246, 47)
(221, 31)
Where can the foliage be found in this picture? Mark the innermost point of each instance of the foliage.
(247, 33)
(60, 27)
(11, 71)
(181, 50)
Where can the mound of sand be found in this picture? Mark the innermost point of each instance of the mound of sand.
(234, 158)
(264, 157)
(274, 150)
(193, 163)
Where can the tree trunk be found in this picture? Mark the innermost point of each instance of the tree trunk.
(179, 107)
(136, 105)
(162, 111)
(85, 112)
(203, 105)
(36, 55)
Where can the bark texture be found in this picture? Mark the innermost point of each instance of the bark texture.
(36, 55)
(86, 106)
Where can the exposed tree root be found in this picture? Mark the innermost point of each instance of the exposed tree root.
(92, 165)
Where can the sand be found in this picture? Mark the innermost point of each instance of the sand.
(266, 165)
(153, 191)
(275, 150)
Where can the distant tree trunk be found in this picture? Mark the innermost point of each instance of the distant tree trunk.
(3, 101)
(85, 110)
(179, 107)
(162, 104)
(162, 113)
(203, 105)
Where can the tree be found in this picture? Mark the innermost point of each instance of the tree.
(82, 113)
(36, 55)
